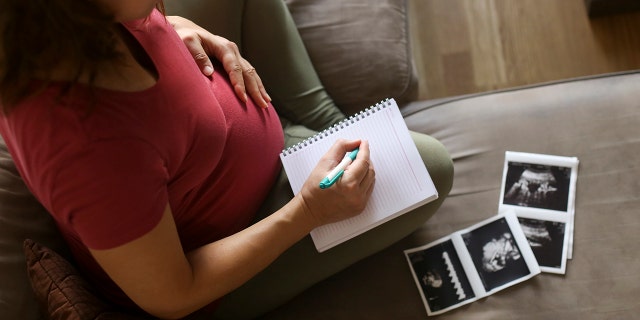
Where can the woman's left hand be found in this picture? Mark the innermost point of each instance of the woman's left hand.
(202, 43)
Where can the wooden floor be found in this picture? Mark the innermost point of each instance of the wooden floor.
(466, 46)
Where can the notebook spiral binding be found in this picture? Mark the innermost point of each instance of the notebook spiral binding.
(337, 127)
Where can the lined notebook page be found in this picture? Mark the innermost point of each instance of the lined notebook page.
(402, 180)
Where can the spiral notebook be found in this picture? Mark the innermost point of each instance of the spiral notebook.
(402, 180)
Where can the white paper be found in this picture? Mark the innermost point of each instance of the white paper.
(402, 180)
(472, 263)
(541, 190)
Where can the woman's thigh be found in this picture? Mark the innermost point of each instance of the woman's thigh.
(301, 266)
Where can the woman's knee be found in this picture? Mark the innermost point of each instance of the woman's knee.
(438, 161)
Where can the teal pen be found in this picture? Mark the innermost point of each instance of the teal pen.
(338, 171)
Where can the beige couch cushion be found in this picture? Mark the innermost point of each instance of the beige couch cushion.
(593, 119)
(360, 49)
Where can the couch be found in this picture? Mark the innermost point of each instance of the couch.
(361, 52)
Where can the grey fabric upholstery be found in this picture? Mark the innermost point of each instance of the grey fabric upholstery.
(360, 49)
(595, 119)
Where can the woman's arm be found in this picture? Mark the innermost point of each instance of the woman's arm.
(156, 274)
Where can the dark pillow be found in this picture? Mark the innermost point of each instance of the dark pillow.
(61, 291)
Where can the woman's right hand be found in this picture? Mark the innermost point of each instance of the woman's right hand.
(349, 195)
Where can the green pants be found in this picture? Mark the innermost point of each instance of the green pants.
(268, 38)
(302, 266)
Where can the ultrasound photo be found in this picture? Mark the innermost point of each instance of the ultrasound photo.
(538, 186)
(495, 254)
(546, 239)
(441, 277)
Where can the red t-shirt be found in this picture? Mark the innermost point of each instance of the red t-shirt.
(105, 164)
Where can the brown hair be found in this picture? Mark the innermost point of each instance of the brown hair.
(36, 35)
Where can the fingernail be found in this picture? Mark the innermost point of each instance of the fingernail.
(208, 70)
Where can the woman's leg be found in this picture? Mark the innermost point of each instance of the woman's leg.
(271, 42)
(302, 266)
